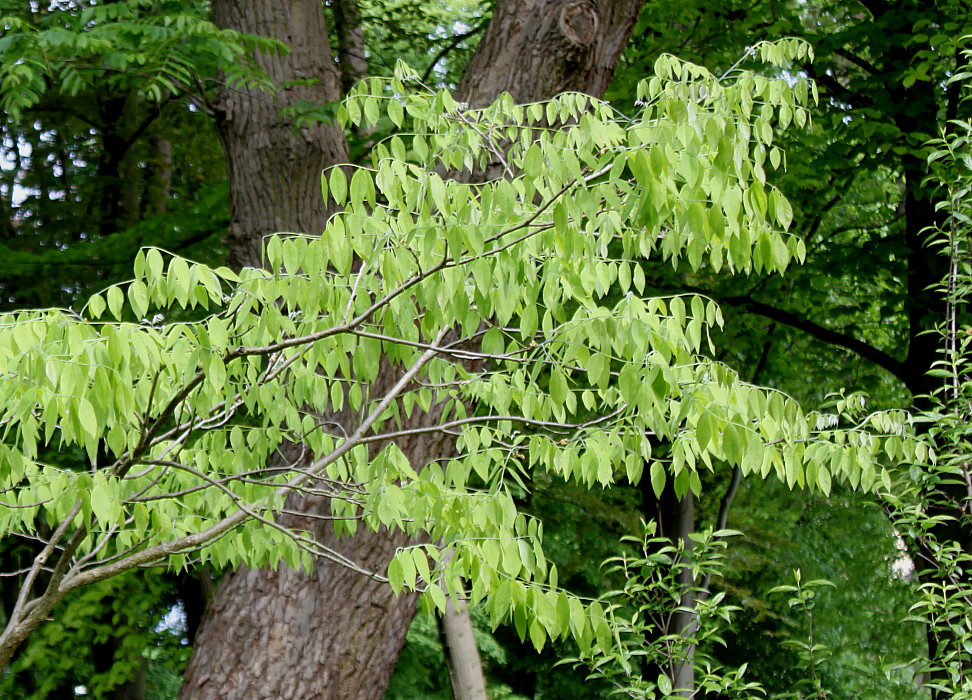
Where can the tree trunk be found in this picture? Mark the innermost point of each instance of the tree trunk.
(351, 48)
(676, 520)
(275, 170)
(926, 303)
(535, 49)
(461, 654)
(334, 633)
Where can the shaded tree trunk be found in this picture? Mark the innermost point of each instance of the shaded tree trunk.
(334, 633)
(921, 106)
(351, 48)
(675, 518)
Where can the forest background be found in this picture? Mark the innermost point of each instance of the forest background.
(126, 126)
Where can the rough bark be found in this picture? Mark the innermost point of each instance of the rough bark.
(335, 633)
(275, 170)
(534, 49)
(332, 634)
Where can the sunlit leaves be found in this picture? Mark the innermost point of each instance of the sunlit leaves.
(513, 308)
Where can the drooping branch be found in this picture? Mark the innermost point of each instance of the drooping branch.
(827, 335)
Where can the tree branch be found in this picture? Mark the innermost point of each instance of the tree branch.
(827, 335)
(861, 63)
(451, 46)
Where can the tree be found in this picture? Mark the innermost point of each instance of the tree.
(64, 51)
(863, 310)
(268, 157)
(107, 147)
(178, 420)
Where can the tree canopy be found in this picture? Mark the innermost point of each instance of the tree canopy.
(508, 303)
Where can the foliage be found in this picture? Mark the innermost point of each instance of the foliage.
(929, 503)
(129, 608)
(845, 538)
(422, 674)
(648, 649)
(434, 36)
(97, 167)
(157, 49)
(181, 421)
(811, 652)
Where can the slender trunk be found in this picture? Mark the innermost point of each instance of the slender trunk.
(351, 48)
(462, 655)
(333, 633)
(676, 520)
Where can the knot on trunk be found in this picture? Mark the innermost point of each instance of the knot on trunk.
(578, 22)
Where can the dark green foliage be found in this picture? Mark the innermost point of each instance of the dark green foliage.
(99, 640)
(847, 540)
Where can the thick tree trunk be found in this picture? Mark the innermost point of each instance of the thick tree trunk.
(330, 635)
(535, 49)
(275, 170)
(334, 633)
(268, 634)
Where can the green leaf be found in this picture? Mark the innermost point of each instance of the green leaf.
(658, 476)
(96, 306)
(116, 299)
(339, 185)
(396, 112)
(138, 298)
(396, 575)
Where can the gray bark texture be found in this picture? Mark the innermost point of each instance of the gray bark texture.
(333, 633)
(275, 171)
(535, 49)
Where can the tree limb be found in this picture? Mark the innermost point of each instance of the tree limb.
(451, 46)
(827, 335)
